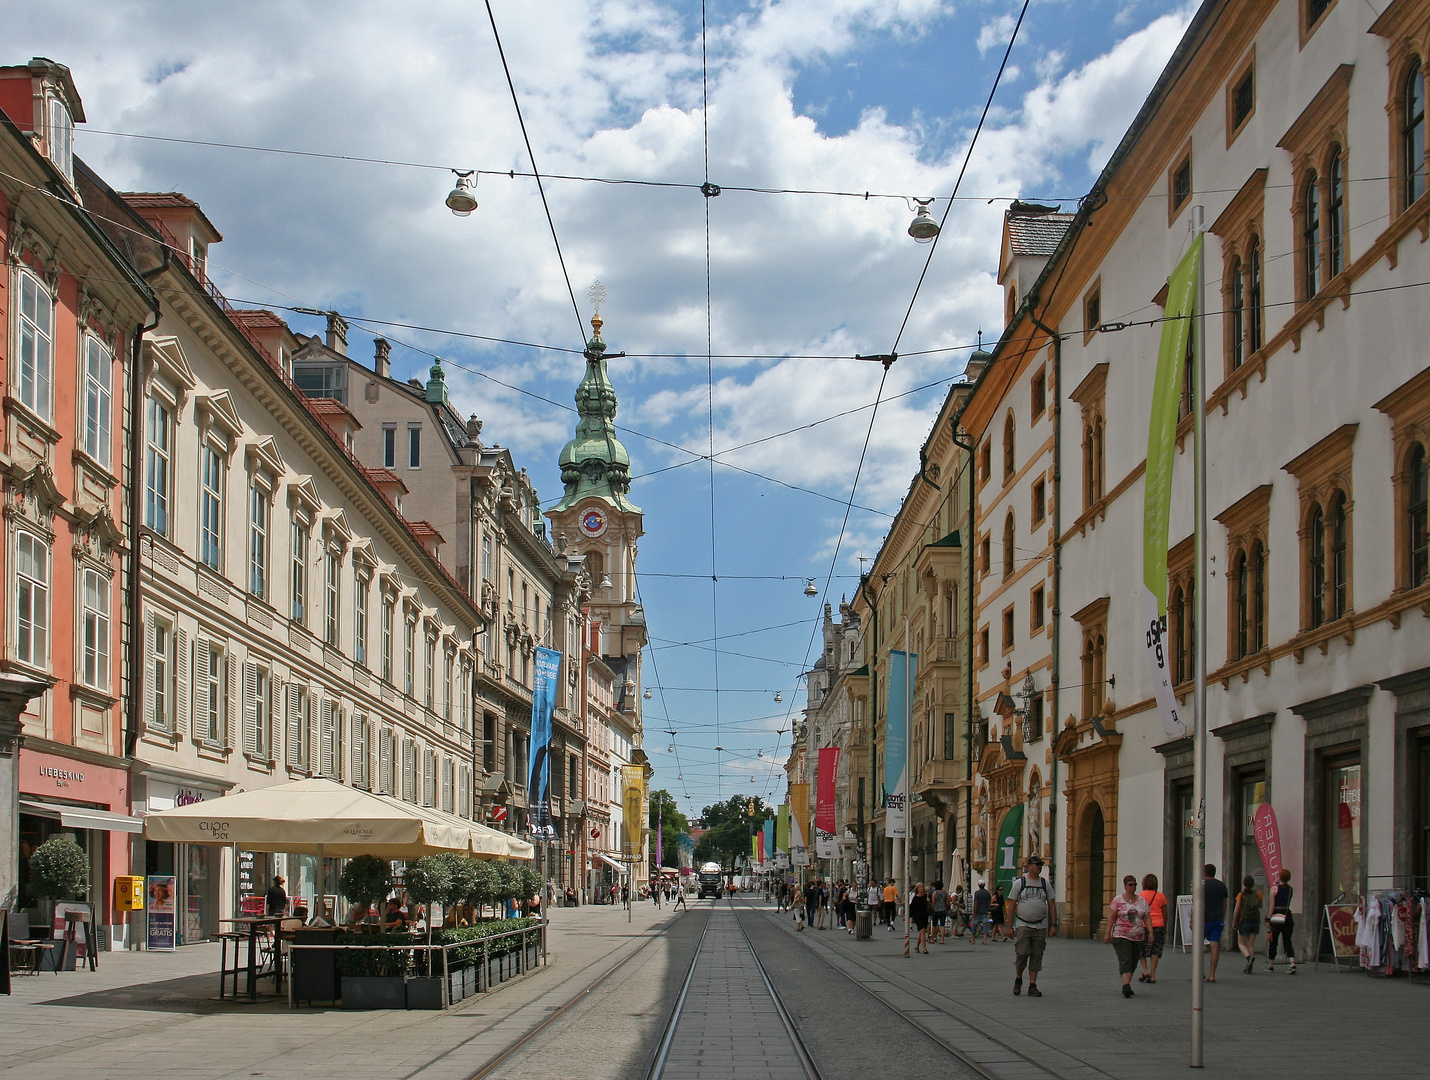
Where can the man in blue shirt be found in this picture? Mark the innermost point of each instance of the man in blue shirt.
(1214, 901)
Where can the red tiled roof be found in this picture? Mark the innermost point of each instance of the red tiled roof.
(158, 200)
(256, 318)
(384, 476)
(424, 529)
(323, 406)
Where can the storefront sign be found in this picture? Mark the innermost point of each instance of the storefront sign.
(1341, 918)
(1010, 836)
(162, 910)
(79, 781)
(162, 796)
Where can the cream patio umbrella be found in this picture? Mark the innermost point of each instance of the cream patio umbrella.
(313, 817)
(486, 842)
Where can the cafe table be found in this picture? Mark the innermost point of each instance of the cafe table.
(254, 925)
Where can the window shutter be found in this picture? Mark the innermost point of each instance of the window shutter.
(384, 763)
(275, 714)
(295, 729)
(325, 755)
(447, 785)
(359, 741)
(230, 704)
(429, 779)
(151, 633)
(409, 769)
(250, 709)
(201, 689)
(181, 682)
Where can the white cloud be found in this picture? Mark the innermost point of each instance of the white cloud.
(996, 32)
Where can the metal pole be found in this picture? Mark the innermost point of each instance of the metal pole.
(908, 805)
(1199, 709)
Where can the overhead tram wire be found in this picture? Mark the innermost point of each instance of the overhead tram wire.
(893, 352)
(664, 705)
(535, 172)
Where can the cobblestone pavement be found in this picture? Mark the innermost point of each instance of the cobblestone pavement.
(1317, 1024)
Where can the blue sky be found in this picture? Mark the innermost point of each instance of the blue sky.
(853, 95)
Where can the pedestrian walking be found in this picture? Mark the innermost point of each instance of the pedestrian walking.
(874, 898)
(995, 914)
(822, 904)
(276, 900)
(919, 911)
(891, 903)
(956, 911)
(680, 900)
(982, 899)
(1247, 918)
(1127, 917)
(1281, 923)
(811, 900)
(938, 901)
(1214, 905)
(1034, 918)
(1156, 930)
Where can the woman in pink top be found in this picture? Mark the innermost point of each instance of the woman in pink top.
(1157, 937)
(1127, 930)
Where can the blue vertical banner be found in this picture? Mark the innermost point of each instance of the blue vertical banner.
(543, 705)
(769, 828)
(896, 749)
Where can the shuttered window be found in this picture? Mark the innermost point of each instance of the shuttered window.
(384, 763)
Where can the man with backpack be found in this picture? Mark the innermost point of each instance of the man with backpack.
(1033, 917)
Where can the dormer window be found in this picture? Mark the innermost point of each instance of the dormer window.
(199, 253)
(61, 138)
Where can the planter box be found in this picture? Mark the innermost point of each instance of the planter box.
(424, 993)
(374, 992)
(463, 982)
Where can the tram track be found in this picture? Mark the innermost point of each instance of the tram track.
(1024, 1066)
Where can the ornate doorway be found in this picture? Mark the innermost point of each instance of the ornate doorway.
(1096, 834)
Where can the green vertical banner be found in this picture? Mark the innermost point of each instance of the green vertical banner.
(755, 841)
(1010, 839)
(1157, 487)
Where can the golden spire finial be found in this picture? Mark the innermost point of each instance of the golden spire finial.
(597, 295)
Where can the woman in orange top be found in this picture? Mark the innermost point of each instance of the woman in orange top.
(1152, 950)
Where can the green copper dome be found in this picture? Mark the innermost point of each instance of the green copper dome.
(595, 463)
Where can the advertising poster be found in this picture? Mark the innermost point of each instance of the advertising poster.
(1184, 919)
(825, 845)
(1341, 919)
(1157, 498)
(543, 704)
(78, 915)
(799, 824)
(633, 803)
(163, 909)
(896, 751)
(1010, 835)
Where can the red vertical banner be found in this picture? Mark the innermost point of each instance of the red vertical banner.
(824, 842)
(760, 847)
(1268, 841)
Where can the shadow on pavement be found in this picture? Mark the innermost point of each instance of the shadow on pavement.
(189, 994)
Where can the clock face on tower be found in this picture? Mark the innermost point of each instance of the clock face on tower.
(593, 521)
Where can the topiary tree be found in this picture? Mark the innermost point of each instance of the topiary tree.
(509, 883)
(365, 881)
(483, 883)
(531, 883)
(59, 869)
(428, 881)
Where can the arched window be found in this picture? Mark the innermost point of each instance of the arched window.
(1311, 235)
(1257, 560)
(1242, 576)
(1008, 448)
(1335, 215)
(1340, 569)
(1099, 671)
(1316, 568)
(1417, 526)
(1237, 305)
(1097, 464)
(1008, 537)
(1253, 296)
(1412, 136)
(1182, 612)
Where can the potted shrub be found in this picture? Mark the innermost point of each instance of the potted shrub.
(371, 978)
(365, 881)
(59, 870)
(428, 881)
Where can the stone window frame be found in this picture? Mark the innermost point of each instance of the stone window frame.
(984, 646)
(1009, 543)
(1010, 454)
(1323, 474)
(1181, 603)
(1092, 310)
(1180, 161)
(1318, 135)
(1093, 621)
(1037, 609)
(1091, 397)
(1412, 724)
(1038, 501)
(1246, 748)
(1246, 68)
(1335, 724)
(1038, 394)
(1247, 524)
(1009, 626)
(1306, 24)
(1241, 228)
(1406, 28)
(1408, 407)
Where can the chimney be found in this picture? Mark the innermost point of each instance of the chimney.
(382, 357)
(337, 333)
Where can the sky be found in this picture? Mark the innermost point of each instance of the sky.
(753, 360)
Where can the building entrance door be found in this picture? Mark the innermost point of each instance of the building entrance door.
(1096, 840)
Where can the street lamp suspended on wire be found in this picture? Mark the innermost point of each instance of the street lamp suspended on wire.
(923, 228)
(462, 199)
(810, 589)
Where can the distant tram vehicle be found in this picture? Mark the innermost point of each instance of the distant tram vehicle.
(709, 880)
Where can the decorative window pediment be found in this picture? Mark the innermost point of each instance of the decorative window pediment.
(263, 457)
(303, 492)
(217, 411)
(165, 357)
